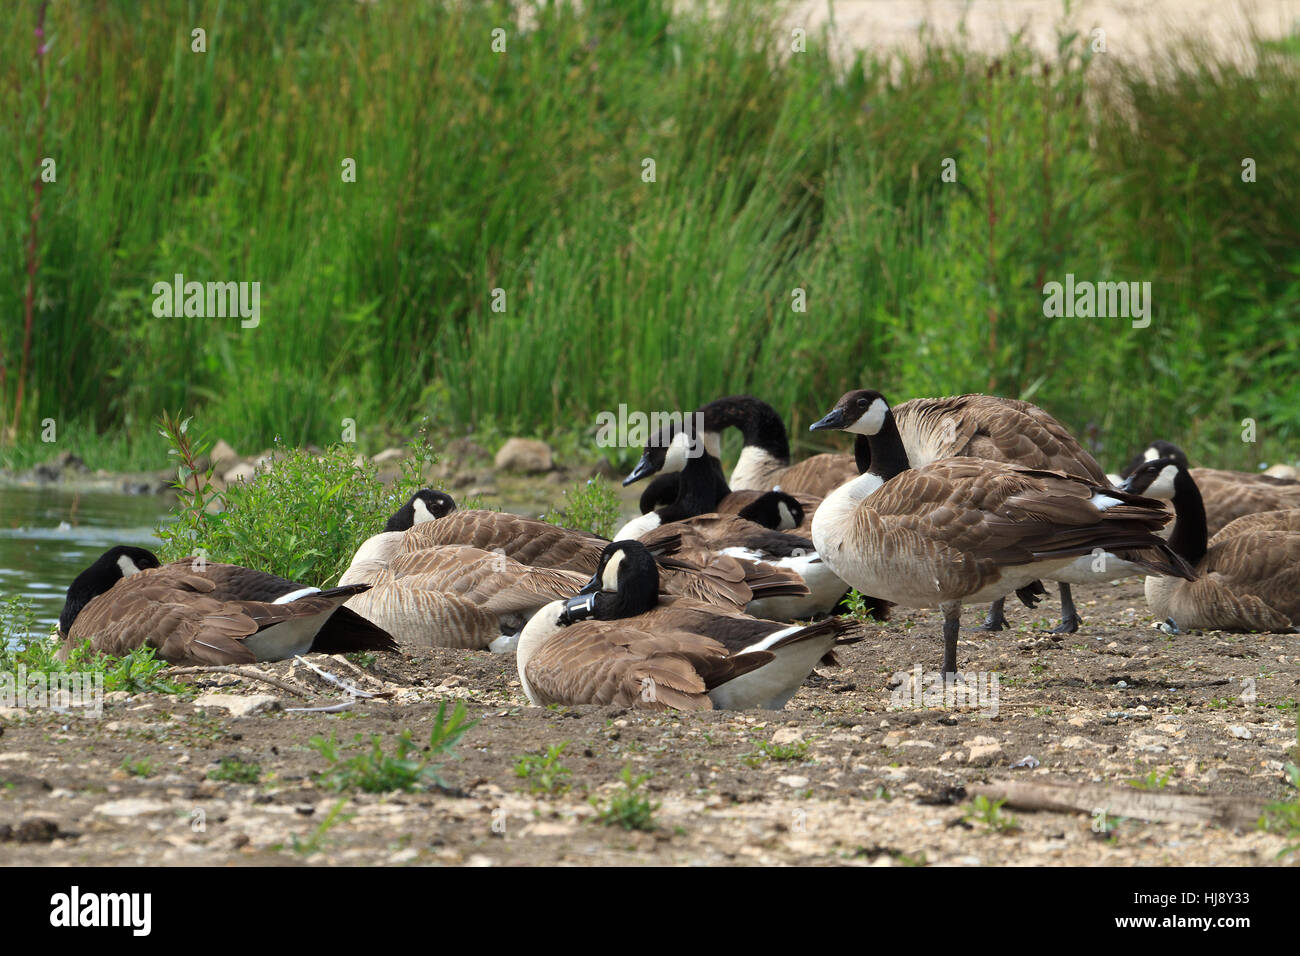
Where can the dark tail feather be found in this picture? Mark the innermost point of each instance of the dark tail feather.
(347, 631)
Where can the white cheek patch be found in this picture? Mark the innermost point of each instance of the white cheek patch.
(678, 453)
(1150, 454)
(1163, 486)
(422, 512)
(609, 577)
(713, 444)
(127, 566)
(787, 519)
(872, 420)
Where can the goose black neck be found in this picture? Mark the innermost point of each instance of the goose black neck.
(699, 489)
(1189, 537)
(759, 423)
(888, 457)
(862, 453)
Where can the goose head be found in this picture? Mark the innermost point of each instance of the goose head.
(1157, 449)
(862, 411)
(111, 566)
(626, 583)
(668, 452)
(1155, 478)
(775, 510)
(424, 505)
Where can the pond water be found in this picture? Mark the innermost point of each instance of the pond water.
(50, 535)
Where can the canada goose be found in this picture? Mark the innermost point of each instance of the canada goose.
(207, 613)
(1248, 574)
(424, 505)
(761, 507)
(1009, 430)
(688, 570)
(966, 529)
(735, 536)
(1227, 495)
(615, 645)
(459, 596)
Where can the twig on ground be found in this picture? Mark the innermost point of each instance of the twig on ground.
(239, 672)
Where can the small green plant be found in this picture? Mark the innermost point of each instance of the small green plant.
(1154, 780)
(234, 770)
(363, 659)
(592, 506)
(1222, 703)
(544, 772)
(796, 750)
(989, 812)
(1286, 706)
(410, 768)
(628, 808)
(303, 519)
(312, 844)
(140, 768)
(1284, 817)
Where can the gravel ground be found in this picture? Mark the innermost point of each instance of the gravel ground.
(875, 785)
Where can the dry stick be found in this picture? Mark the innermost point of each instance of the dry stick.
(239, 671)
(1092, 799)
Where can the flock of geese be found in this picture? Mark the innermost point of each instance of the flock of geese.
(705, 600)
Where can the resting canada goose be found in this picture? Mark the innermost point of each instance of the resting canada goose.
(1227, 495)
(736, 536)
(208, 613)
(424, 505)
(614, 644)
(966, 529)
(458, 596)
(1248, 574)
(998, 429)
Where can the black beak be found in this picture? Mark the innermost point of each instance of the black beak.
(1126, 484)
(593, 586)
(643, 467)
(835, 418)
(578, 609)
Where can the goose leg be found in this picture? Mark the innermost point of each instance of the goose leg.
(997, 618)
(951, 625)
(1069, 616)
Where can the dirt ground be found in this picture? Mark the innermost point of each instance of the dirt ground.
(874, 786)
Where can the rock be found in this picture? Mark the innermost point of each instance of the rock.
(605, 469)
(239, 705)
(131, 807)
(786, 736)
(223, 456)
(984, 752)
(793, 781)
(387, 455)
(524, 455)
(1240, 732)
(35, 830)
(240, 472)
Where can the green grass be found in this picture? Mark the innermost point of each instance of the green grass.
(780, 753)
(144, 768)
(234, 770)
(1284, 816)
(1154, 780)
(522, 171)
(543, 773)
(410, 767)
(989, 812)
(629, 807)
(591, 505)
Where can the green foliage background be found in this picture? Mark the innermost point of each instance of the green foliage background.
(522, 171)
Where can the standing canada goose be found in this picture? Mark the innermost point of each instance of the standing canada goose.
(967, 529)
(997, 429)
(207, 613)
(614, 645)
(1227, 495)
(1248, 574)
